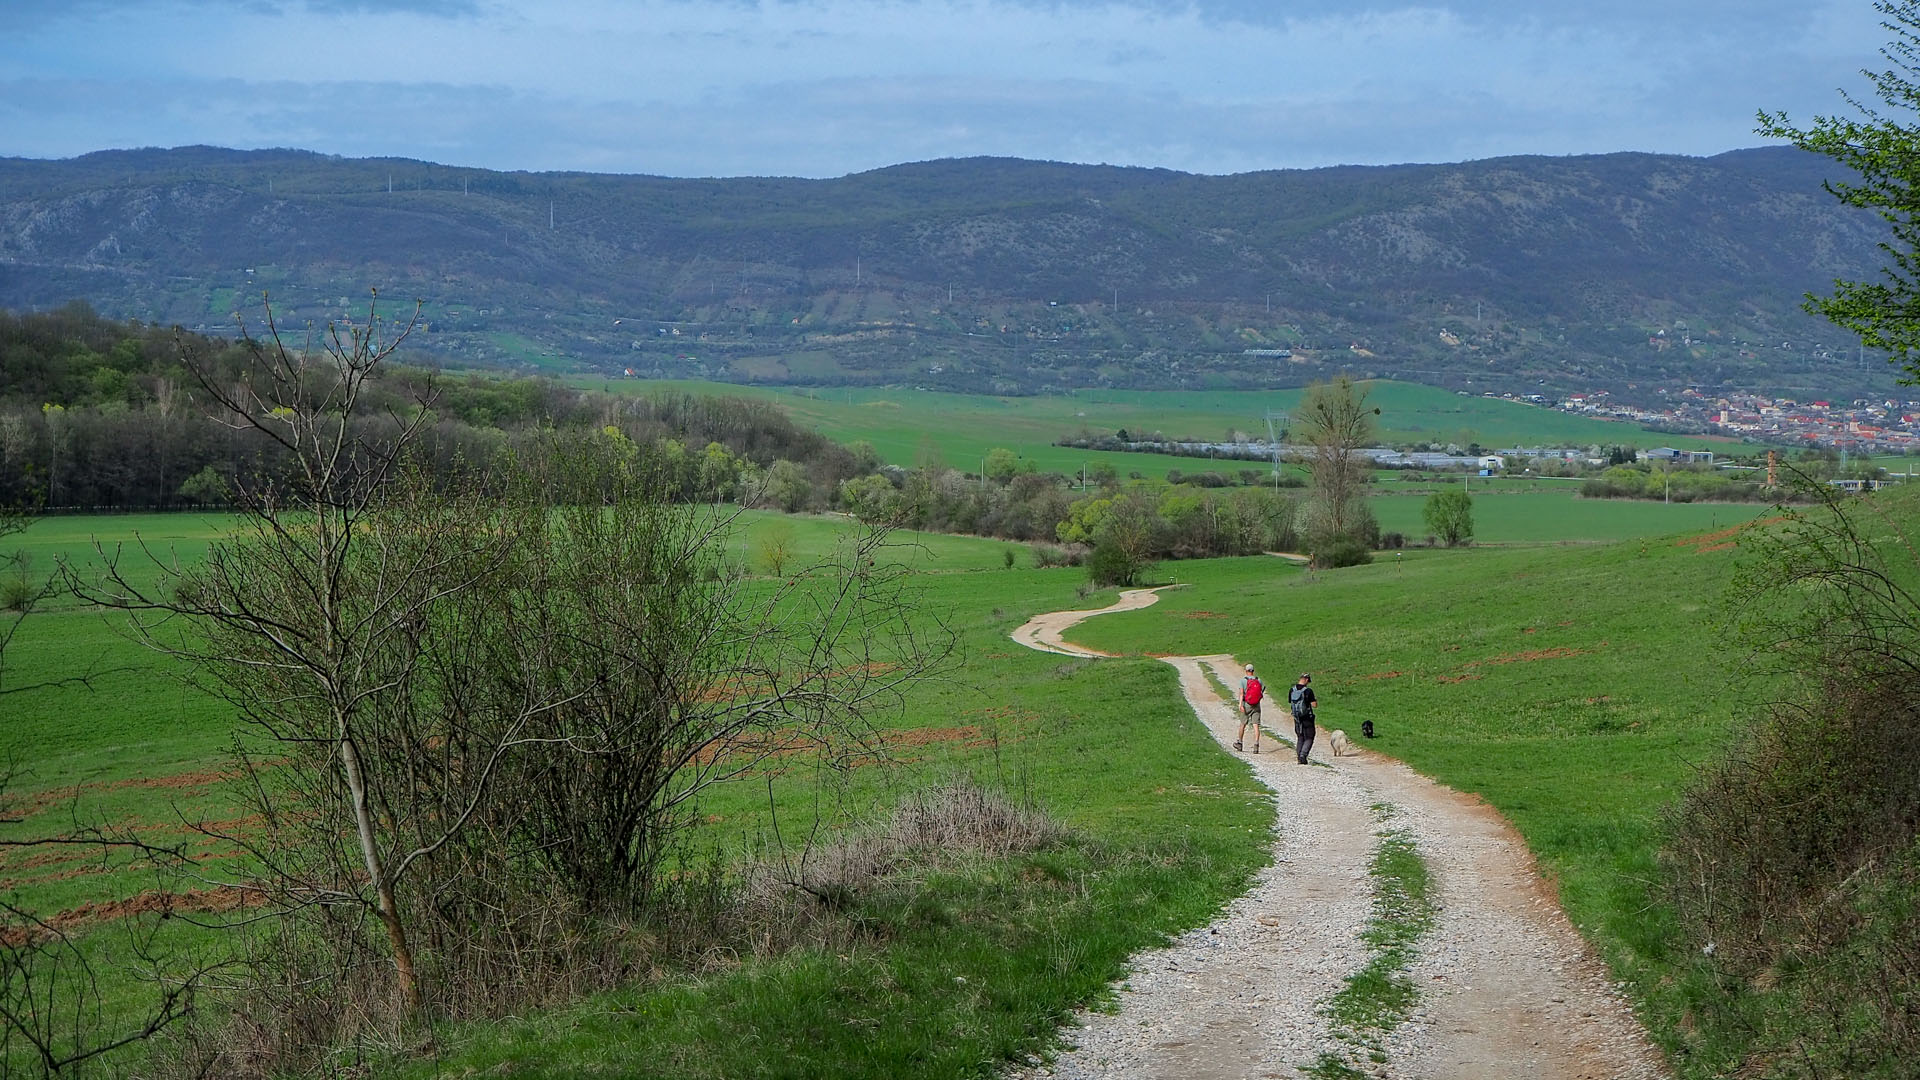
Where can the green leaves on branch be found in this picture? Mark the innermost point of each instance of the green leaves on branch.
(1449, 515)
(1884, 150)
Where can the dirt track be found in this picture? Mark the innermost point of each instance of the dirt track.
(1509, 989)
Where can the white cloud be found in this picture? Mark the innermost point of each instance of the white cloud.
(821, 87)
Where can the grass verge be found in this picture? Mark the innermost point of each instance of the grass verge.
(1379, 996)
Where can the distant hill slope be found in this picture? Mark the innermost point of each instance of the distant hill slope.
(1598, 272)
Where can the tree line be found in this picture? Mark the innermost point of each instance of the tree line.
(97, 414)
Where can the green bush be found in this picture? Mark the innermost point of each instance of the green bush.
(1342, 551)
(1109, 565)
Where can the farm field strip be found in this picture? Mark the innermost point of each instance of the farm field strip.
(903, 423)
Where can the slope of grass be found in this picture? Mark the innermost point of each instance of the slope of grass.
(974, 962)
(1572, 688)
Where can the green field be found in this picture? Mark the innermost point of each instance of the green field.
(1161, 838)
(1503, 515)
(902, 423)
(1570, 686)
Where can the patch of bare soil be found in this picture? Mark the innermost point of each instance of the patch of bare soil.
(1724, 538)
(198, 901)
(1509, 989)
(29, 806)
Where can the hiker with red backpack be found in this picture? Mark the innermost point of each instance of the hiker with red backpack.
(1251, 692)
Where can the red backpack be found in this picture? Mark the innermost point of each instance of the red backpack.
(1254, 691)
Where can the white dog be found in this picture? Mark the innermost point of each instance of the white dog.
(1337, 740)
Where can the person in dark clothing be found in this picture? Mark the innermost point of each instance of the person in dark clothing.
(1301, 699)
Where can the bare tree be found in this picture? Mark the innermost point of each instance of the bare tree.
(1335, 424)
(670, 673)
(309, 619)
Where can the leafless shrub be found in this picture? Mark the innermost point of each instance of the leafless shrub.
(1050, 555)
(1768, 842)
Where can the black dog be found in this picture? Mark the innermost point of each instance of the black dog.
(1366, 728)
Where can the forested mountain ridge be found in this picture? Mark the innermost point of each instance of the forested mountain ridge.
(1599, 272)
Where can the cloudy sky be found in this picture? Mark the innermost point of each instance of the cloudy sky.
(827, 87)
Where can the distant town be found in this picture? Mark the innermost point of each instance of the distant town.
(1885, 426)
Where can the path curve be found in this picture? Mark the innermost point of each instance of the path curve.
(1043, 632)
(1508, 988)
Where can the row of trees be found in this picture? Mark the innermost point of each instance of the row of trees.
(144, 427)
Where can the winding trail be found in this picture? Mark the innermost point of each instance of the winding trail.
(1508, 988)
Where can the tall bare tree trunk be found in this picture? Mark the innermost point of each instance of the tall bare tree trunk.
(387, 907)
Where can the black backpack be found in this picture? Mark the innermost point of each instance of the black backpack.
(1297, 697)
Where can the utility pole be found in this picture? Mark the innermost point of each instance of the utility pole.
(1273, 437)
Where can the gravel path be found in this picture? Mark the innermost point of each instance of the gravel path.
(1509, 989)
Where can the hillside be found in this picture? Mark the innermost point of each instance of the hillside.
(1625, 272)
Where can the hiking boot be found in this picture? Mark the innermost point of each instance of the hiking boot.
(1236, 744)
(1256, 748)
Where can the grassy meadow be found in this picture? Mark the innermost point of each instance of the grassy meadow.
(1566, 670)
(1507, 515)
(977, 962)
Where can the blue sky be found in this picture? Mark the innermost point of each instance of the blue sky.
(828, 87)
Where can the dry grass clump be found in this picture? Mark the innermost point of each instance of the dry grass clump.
(955, 820)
